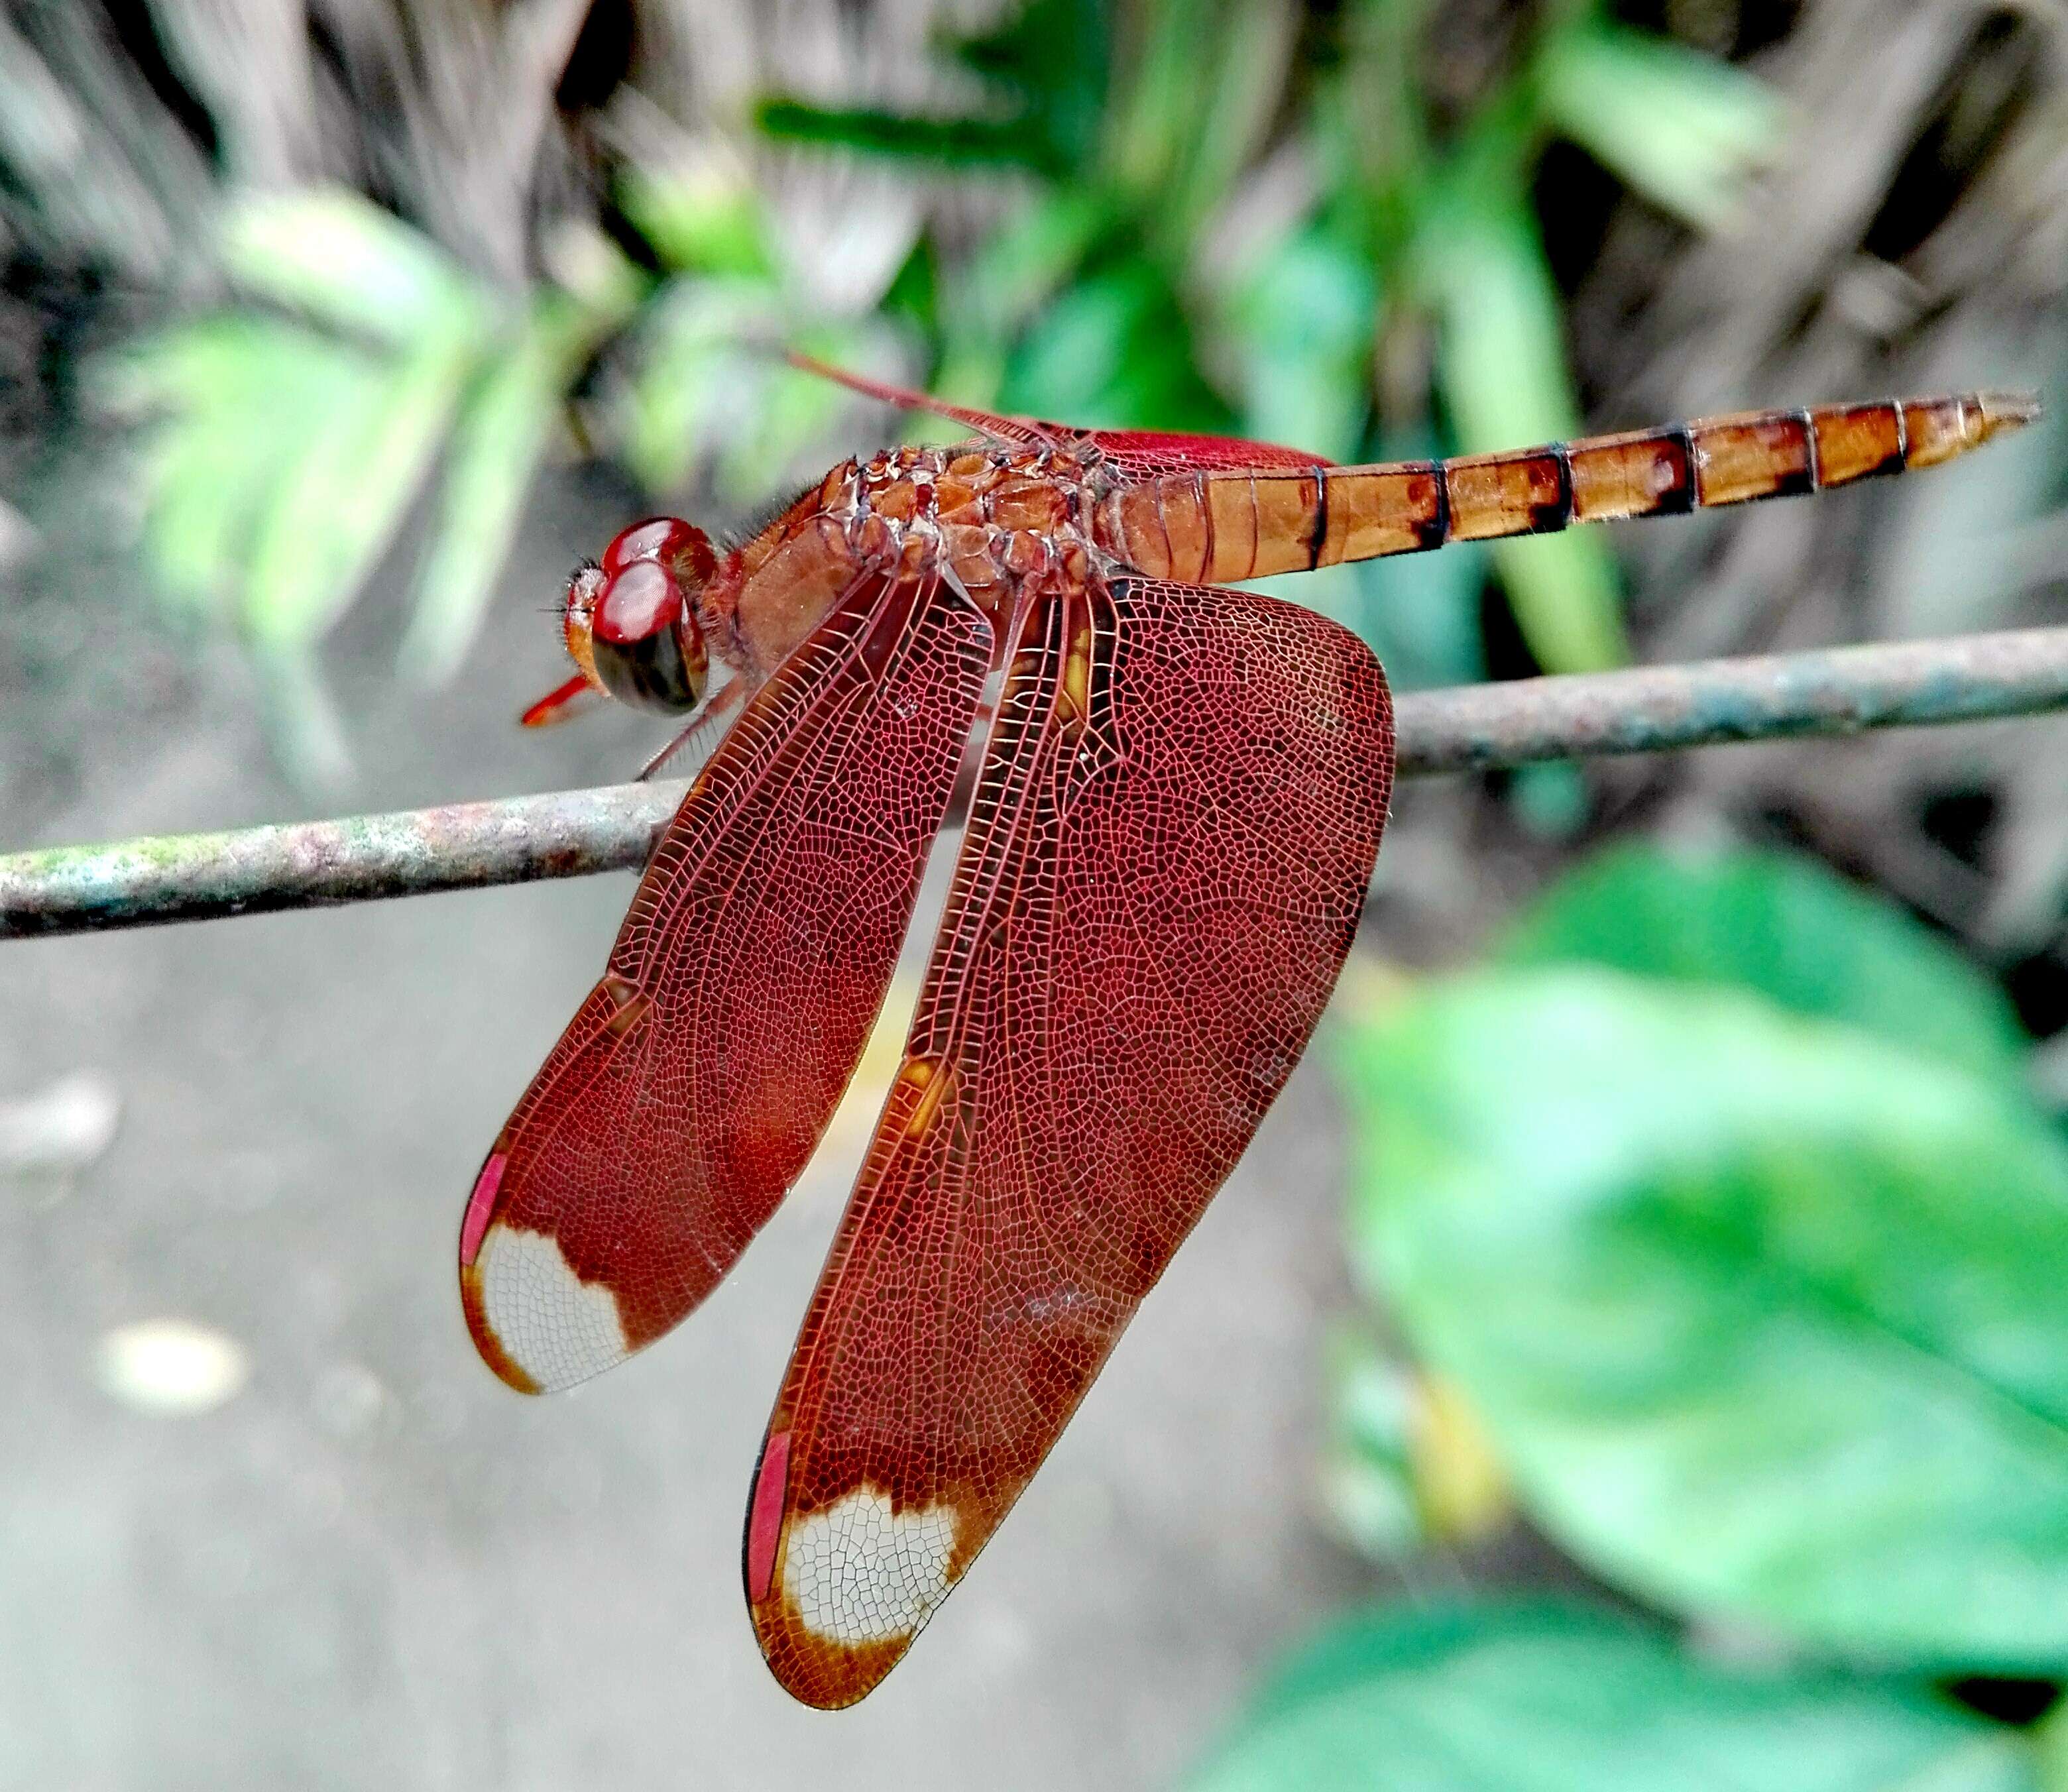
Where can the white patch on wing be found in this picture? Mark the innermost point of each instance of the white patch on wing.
(859, 1573)
(555, 1327)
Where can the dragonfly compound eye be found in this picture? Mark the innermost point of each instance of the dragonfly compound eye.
(639, 601)
(656, 538)
(644, 639)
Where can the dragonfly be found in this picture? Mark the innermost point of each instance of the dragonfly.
(1174, 821)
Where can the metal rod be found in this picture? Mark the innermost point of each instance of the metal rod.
(573, 833)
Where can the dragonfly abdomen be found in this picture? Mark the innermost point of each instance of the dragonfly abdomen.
(1222, 525)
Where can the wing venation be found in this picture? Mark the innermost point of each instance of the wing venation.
(694, 1081)
(1174, 827)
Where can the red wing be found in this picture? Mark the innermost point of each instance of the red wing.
(692, 1084)
(1176, 821)
(1139, 454)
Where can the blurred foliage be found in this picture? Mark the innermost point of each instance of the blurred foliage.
(1709, 1228)
(1408, 1466)
(1565, 1699)
(704, 394)
(1113, 298)
(1717, 1207)
(1781, 926)
(283, 446)
(1211, 233)
(285, 439)
(1763, 1317)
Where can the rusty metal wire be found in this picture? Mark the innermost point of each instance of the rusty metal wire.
(573, 833)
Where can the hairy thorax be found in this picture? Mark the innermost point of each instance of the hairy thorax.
(993, 518)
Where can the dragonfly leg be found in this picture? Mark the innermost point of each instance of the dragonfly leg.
(702, 732)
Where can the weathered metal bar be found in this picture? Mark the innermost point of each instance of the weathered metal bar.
(1655, 708)
(573, 833)
(249, 870)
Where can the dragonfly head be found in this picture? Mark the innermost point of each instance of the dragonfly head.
(631, 622)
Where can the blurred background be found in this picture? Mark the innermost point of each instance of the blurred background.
(1635, 1352)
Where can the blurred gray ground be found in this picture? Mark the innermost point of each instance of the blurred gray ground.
(375, 1567)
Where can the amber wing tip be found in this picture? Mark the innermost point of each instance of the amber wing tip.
(825, 1679)
(489, 1347)
(2003, 412)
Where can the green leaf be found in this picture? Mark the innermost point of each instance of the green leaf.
(1161, 99)
(1371, 123)
(1420, 614)
(1765, 1315)
(914, 297)
(301, 721)
(1549, 1698)
(1302, 319)
(1683, 129)
(1550, 800)
(2049, 1743)
(1228, 116)
(698, 378)
(502, 435)
(344, 261)
(794, 413)
(1566, 598)
(1503, 368)
(1785, 926)
(1113, 351)
(937, 142)
(230, 401)
(1367, 1476)
(1052, 59)
(700, 221)
(1023, 265)
(336, 505)
(1046, 67)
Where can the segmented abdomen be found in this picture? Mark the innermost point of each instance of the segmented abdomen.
(1226, 524)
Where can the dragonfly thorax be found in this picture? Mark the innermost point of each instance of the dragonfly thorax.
(997, 515)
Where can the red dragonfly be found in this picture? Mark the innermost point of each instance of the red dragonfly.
(1177, 808)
